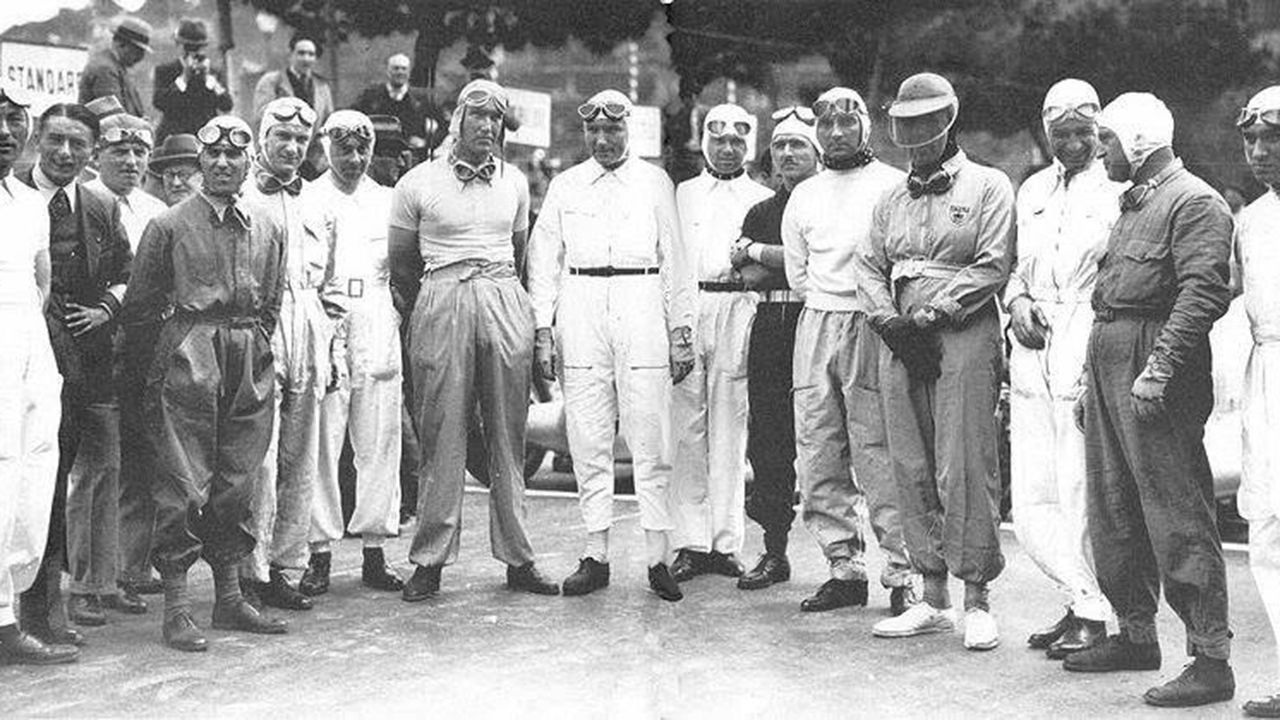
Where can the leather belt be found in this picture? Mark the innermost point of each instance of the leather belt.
(780, 296)
(1110, 314)
(707, 286)
(610, 271)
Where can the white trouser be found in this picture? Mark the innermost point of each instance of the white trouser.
(613, 346)
(708, 483)
(368, 408)
(1264, 558)
(1047, 458)
(30, 410)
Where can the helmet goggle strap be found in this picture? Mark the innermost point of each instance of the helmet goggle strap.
(843, 105)
(720, 128)
(215, 133)
(359, 134)
(799, 112)
(1084, 111)
(1249, 116)
(921, 130)
(613, 110)
(116, 135)
(479, 97)
(302, 113)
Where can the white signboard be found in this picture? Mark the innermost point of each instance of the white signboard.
(533, 110)
(644, 129)
(50, 73)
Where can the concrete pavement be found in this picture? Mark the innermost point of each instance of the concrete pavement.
(480, 651)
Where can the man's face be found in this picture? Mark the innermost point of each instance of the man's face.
(1262, 152)
(398, 72)
(224, 168)
(122, 166)
(607, 139)
(131, 54)
(1074, 142)
(303, 57)
(65, 148)
(1113, 160)
(196, 61)
(14, 123)
(285, 147)
(928, 154)
(480, 129)
(350, 159)
(181, 181)
(794, 158)
(839, 134)
(727, 152)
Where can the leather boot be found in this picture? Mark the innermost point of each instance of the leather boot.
(278, 593)
(27, 649)
(836, 594)
(1044, 637)
(1267, 707)
(526, 578)
(376, 574)
(126, 602)
(1083, 635)
(249, 590)
(726, 564)
(687, 565)
(181, 633)
(244, 617)
(590, 576)
(1114, 653)
(315, 580)
(662, 583)
(86, 610)
(1204, 680)
(769, 570)
(425, 583)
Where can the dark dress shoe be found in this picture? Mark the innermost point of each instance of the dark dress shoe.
(250, 590)
(1204, 680)
(181, 633)
(244, 617)
(1044, 637)
(125, 602)
(54, 636)
(836, 594)
(662, 583)
(901, 598)
(1083, 635)
(278, 593)
(376, 574)
(770, 569)
(1113, 654)
(86, 610)
(150, 586)
(424, 583)
(315, 580)
(1268, 707)
(590, 576)
(28, 649)
(726, 564)
(526, 578)
(688, 564)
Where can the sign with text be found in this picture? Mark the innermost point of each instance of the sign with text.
(49, 73)
(533, 110)
(644, 128)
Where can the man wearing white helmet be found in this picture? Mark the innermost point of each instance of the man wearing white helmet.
(607, 266)
(366, 403)
(309, 348)
(771, 433)
(937, 256)
(458, 229)
(213, 270)
(710, 407)
(1065, 213)
(838, 406)
(1161, 284)
(1259, 255)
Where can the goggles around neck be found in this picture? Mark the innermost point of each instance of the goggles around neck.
(799, 112)
(590, 110)
(1084, 111)
(116, 135)
(1249, 116)
(719, 128)
(303, 114)
(235, 136)
(843, 106)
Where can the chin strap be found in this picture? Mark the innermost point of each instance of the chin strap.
(725, 176)
(857, 160)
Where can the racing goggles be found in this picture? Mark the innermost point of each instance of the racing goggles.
(1249, 116)
(117, 135)
(214, 133)
(920, 130)
(799, 112)
(719, 128)
(479, 97)
(1084, 111)
(841, 105)
(589, 110)
(303, 114)
(360, 133)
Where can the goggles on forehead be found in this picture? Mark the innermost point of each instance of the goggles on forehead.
(718, 128)
(1249, 116)
(302, 113)
(1085, 111)
(235, 136)
(479, 97)
(799, 112)
(115, 135)
(360, 133)
(611, 109)
(843, 105)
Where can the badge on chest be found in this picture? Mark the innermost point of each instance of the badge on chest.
(959, 213)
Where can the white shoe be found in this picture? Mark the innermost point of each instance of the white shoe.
(919, 619)
(980, 630)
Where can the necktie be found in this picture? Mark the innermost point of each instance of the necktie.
(59, 207)
(937, 183)
(270, 184)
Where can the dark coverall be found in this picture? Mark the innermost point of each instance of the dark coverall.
(1161, 285)
(211, 384)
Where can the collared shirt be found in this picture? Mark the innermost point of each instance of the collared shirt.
(1062, 233)
(1170, 256)
(626, 218)
(48, 187)
(136, 209)
(953, 248)
(828, 217)
(397, 94)
(711, 212)
(26, 230)
(360, 249)
(1259, 256)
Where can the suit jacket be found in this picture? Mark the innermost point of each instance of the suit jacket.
(103, 76)
(185, 111)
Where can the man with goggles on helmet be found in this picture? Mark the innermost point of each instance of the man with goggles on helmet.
(1065, 213)
(366, 407)
(309, 346)
(213, 270)
(458, 231)
(608, 266)
(835, 375)
(1259, 256)
(937, 255)
(710, 406)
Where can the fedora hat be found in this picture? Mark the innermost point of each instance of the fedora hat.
(192, 34)
(135, 32)
(174, 150)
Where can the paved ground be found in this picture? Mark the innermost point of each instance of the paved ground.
(479, 651)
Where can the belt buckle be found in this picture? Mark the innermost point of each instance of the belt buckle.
(355, 287)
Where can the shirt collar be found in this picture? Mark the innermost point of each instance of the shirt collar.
(598, 171)
(221, 207)
(954, 163)
(397, 95)
(49, 188)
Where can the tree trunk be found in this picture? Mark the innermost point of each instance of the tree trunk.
(428, 45)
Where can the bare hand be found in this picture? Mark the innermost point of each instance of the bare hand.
(1147, 395)
(1030, 326)
(738, 256)
(681, 354)
(82, 320)
(544, 354)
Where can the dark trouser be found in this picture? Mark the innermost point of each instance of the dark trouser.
(1150, 491)
(210, 407)
(137, 459)
(771, 438)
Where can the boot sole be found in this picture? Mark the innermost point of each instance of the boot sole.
(1220, 696)
(253, 630)
(930, 630)
(1092, 669)
(576, 592)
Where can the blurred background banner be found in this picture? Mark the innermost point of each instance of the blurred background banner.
(49, 72)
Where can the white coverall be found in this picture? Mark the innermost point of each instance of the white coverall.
(1259, 495)
(30, 396)
(368, 404)
(709, 474)
(311, 309)
(612, 332)
(1062, 233)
